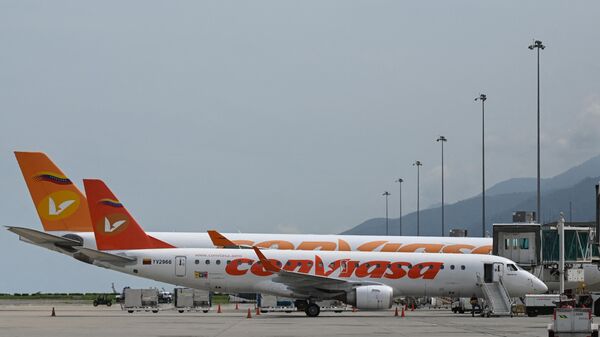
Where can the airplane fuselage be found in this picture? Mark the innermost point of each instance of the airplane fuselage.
(239, 270)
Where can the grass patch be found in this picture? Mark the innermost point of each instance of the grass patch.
(54, 296)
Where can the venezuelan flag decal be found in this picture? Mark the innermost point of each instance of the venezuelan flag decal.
(52, 177)
(110, 202)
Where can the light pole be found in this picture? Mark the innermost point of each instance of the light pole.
(418, 164)
(539, 46)
(442, 140)
(386, 194)
(400, 181)
(482, 98)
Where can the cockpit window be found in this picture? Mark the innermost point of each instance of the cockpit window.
(512, 267)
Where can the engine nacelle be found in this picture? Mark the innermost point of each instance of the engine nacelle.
(371, 297)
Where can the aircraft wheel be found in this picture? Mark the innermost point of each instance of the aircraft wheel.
(312, 310)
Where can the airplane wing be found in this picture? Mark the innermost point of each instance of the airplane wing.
(69, 246)
(92, 255)
(310, 285)
(45, 240)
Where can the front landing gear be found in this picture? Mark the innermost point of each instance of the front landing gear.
(312, 310)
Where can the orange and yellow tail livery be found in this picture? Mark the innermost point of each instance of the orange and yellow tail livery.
(60, 204)
(114, 227)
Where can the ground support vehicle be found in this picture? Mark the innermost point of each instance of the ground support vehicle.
(573, 322)
(140, 300)
(188, 299)
(102, 299)
(543, 304)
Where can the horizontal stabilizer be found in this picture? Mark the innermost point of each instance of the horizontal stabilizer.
(92, 255)
(38, 237)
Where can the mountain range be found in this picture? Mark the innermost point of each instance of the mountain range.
(573, 187)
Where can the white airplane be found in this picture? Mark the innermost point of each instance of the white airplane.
(49, 187)
(366, 280)
(72, 227)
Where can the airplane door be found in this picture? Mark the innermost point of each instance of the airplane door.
(180, 266)
(498, 271)
(488, 273)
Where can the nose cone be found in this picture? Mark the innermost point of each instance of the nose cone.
(539, 287)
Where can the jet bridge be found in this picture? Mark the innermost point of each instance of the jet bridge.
(536, 248)
(520, 242)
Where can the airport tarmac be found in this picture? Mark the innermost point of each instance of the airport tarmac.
(34, 320)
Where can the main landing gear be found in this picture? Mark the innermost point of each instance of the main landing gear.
(312, 310)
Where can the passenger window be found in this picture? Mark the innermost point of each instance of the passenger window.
(207, 262)
(512, 267)
(197, 262)
(524, 243)
(462, 267)
(218, 262)
(506, 243)
(442, 267)
(452, 266)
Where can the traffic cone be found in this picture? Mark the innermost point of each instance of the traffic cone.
(257, 311)
(249, 313)
(236, 306)
(396, 312)
(402, 312)
(53, 314)
(413, 307)
(219, 309)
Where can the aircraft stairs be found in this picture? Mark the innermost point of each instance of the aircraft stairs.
(497, 299)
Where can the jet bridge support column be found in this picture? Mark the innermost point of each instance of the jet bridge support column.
(561, 252)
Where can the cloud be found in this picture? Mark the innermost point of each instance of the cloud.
(287, 229)
(580, 139)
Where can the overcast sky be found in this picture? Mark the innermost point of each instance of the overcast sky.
(282, 116)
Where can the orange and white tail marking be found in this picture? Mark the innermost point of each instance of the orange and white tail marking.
(114, 227)
(59, 203)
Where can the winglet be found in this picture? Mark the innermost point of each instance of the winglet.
(219, 240)
(114, 227)
(265, 262)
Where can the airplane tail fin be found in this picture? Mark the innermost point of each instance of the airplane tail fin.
(114, 227)
(60, 204)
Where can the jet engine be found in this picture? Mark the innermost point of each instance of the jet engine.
(371, 297)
